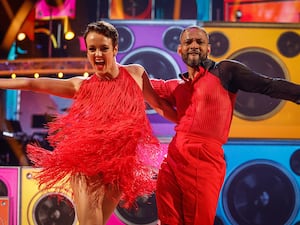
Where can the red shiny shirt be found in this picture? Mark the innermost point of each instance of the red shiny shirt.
(205, 104)
(204, 107)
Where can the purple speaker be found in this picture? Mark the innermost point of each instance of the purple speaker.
(153, 44)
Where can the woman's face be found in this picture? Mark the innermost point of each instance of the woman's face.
(101, 53)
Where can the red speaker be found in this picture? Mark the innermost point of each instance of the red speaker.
(10, 196)
(270, 49)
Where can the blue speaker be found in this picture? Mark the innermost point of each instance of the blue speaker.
(261, 185)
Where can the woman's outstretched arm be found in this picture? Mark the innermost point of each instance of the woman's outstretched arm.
(60, 87)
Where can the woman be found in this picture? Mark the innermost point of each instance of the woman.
(103, 144)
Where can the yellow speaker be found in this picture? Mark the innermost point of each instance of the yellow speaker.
(44, 207)
(270, 49)
(47, 207)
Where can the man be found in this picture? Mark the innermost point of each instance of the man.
(191, 177)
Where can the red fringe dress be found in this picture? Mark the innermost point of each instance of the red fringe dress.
(106, 136)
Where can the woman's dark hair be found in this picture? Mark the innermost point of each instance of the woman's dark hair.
(104, 28)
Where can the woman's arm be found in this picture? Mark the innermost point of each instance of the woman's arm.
(60, 87)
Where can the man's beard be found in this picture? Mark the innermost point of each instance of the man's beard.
(195, 62)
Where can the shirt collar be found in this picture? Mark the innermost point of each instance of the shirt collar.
(206, 65)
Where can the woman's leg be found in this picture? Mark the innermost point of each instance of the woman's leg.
(110, 201)
(88, 212)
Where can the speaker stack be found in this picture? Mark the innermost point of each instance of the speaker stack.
(22, 202)
(57, 208)
(261, 185)
(47, 207)
(271, 49)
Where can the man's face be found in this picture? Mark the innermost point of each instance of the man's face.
(194, 47)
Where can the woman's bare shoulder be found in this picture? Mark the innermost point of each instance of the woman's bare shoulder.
(77, 81)
(134, 69)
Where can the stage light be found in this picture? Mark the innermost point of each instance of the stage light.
(23, 47)
(21, 36)
(68, 33)
(60, 75)
(36, 75)
(238, 15)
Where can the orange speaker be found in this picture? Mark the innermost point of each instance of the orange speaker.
(270, 49)
(4, 211)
